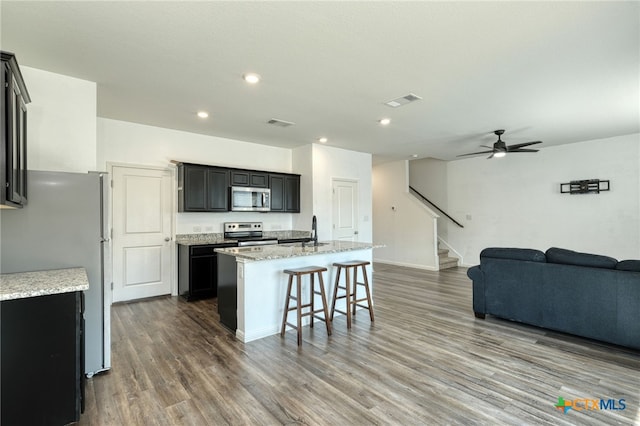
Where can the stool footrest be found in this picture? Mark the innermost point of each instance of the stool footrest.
(353, 269)
(299, 306)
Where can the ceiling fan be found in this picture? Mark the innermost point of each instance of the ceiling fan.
(500, 149)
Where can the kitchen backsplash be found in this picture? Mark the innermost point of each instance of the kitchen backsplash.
(208, 223)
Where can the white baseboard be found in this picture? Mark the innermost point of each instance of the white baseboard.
(258, 334)
(408, 265)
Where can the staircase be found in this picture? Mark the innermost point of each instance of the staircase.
(445, 261)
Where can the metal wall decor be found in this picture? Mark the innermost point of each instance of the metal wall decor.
(587, 186)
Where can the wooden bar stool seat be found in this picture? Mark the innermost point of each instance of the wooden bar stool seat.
(350, 288)
(311, 311)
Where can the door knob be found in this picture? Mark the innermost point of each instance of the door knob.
(355, 232)
(167, 239)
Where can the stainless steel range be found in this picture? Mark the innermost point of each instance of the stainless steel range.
(247, 234)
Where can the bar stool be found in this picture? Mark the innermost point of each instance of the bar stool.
(350, 287)
(299, 306)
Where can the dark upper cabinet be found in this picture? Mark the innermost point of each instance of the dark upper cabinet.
(202, 188)
(276, 184)
(249, 178)
(192, 182)
(206, 188)
(285, 193)
(217, 190)
(13, 127)
(292, 193)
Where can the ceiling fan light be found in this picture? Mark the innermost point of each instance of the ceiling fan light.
(499, 154)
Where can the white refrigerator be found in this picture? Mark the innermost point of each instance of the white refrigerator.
(64, 225)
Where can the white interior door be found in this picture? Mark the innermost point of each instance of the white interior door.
(345, 210)
(142, 229)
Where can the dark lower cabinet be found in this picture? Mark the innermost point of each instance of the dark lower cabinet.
(197, 270)
(42, 356)
(228, 291)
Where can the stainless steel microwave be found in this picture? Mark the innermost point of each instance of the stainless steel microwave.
(245, 199)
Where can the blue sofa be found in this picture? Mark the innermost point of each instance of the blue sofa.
(578, 293)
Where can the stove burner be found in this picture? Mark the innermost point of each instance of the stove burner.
(247, 234)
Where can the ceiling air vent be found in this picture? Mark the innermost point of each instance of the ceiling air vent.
(403, 100)
(280, 123)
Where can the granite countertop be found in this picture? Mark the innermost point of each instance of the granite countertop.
(284, 251)
(201, 239)
(218, 238)
(21, 285)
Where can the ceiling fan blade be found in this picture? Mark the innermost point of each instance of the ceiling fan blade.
(485, 146)
(523, 150)
(490, 157)
(475, 153)
(521, 145)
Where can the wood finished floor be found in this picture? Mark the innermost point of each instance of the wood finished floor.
(426, 360)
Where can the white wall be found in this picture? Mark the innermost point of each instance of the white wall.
(137, 144)
(329, 163)
(429, 177)
(302, 162)
(402, 223)
(516, 201)
(121, 141)
(61, 122)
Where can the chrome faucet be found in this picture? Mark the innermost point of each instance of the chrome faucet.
(314, 230)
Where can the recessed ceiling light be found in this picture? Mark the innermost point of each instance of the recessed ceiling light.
(322, 140)
(251, 78)
(414, 155)
(384, 121)
(203, 114)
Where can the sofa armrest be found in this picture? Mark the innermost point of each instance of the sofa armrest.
(477, 276)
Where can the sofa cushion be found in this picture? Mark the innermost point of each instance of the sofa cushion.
(629, 265)
(531, 255)
(569, 257)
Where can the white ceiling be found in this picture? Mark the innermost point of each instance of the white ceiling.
(560, 72)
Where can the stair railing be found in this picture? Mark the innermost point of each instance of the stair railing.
(416, 192)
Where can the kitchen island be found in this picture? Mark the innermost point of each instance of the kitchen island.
(252, 286)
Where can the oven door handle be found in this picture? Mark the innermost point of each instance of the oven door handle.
(257, 243)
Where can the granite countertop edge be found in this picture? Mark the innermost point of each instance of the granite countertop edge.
(21, 285)
(275, 252)
(218, 238)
